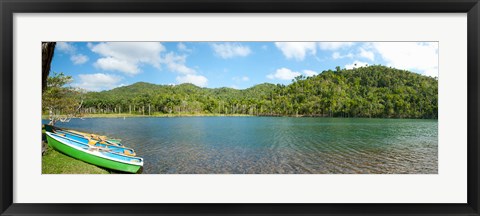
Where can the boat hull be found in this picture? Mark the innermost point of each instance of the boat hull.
(91, 158)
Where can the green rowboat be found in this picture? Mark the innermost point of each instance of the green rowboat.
(94, 143)
(93, 155)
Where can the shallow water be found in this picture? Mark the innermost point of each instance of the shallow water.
(272, 145)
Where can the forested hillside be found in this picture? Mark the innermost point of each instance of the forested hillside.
(374, 91)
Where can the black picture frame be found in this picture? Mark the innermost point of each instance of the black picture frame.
(9, 7)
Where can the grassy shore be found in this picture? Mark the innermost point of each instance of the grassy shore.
(54, 162)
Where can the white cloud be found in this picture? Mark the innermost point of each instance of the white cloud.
(243, 78)
(433, 72)
(415, 56)
(71, 50)
(337, 55)
(230, 50)
(334, 45)
(79, 58)
(356, 64)
(176, 63)
(297, 50)
(97, 82)
(284, 74)
(362, 53)
(183, 48)
(66, 47)
(367, 54)
(110, 63)
(197, 80)
(309, 73)
(126, 57)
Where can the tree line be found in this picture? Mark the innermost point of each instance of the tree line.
(373, 91)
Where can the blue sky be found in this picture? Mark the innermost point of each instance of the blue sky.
(97, 66)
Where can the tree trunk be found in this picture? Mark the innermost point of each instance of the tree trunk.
(48, 49)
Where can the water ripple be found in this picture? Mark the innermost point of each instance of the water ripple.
(249, 145)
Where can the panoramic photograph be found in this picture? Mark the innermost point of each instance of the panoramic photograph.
(183, 107)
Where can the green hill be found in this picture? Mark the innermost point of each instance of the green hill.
(374, 91)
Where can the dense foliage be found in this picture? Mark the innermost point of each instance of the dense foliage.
(374, 91)
(60, 102)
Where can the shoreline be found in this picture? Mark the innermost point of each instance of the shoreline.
(55, 162)
(45, 117)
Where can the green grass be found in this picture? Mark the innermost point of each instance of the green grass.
(54, 162)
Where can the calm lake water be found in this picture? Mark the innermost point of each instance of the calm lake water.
(272, 145)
